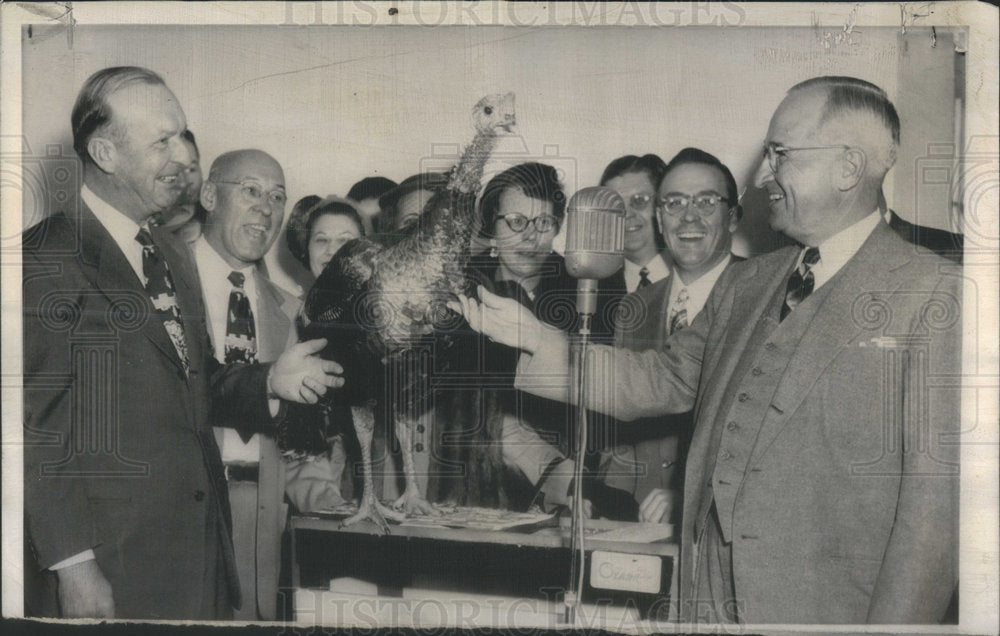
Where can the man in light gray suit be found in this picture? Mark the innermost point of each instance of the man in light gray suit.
(822, 479)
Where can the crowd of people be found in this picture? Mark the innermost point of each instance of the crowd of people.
(750, 403)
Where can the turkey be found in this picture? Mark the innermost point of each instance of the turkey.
(381, 304)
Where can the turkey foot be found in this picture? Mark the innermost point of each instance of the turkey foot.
(373, 510)
(412, 502)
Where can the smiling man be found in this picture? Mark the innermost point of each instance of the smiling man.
(698, 211)
(249, 319)
(126, 510)
(635, 179)
(822, 478)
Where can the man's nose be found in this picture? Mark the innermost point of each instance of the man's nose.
(179, 152)
(763, 174)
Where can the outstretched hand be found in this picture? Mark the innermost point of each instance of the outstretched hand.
(500, 319)
(300, 375)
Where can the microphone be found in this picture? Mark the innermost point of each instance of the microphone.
(595, 241)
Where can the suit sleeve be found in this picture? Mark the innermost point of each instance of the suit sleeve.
(57, 514)
(239, 397)
(919, 571)
(624, 384)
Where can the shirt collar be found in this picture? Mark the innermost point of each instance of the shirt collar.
(657, 267)
(123, 229)
(835, 251)
(216, 265)
(700, 289)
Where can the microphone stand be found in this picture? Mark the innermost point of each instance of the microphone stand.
(578, 374)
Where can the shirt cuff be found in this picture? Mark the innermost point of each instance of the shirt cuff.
(86, 555)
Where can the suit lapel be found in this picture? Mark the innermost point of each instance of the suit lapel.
(274, 321)
(833, 325)
(113, 276)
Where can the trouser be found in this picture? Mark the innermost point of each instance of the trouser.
(715, 593)
(243, 503)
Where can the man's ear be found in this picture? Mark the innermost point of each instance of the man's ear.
(103, 153)
(851, 167)
(735, 214)
(208, 194)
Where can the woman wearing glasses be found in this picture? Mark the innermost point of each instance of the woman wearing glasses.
(505, 440)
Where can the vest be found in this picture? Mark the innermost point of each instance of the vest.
(750, 404)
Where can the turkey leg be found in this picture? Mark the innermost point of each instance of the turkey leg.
(412, 500)
(370, 507)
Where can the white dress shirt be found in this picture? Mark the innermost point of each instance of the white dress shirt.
(698, 291)
(658, 270)
(122, 229)
(213, 271)
(835, 251)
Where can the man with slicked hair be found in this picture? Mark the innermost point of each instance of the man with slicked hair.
(125, 499)
(822, 477)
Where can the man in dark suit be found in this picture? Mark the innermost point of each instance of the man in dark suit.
(822, 477)
(249, 319)
(125, 498)
(697, 206)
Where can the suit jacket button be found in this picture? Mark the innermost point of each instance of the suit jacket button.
(732, 426)
(420, 428)
(727, 455)
(418, 447)
(770, 346)
(199, 495)
(756, 371)
(743, 397)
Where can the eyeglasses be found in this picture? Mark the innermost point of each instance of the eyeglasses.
(519, 222)
(254, 191)
(705, 204)
(639, 202)
(773, 152)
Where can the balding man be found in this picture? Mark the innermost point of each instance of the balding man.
(249, 320)
(822, 477)
(125, 500)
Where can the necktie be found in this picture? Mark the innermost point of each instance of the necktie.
(644, 277)
(801, 282)
(241, 335)
(679, 312)
(160, 287)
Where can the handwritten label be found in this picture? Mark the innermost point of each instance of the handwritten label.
(627, 572)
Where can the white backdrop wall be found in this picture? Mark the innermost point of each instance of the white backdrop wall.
(335, 104)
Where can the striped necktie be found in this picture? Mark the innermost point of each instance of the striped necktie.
(801, 282)
(241, 334)
(160, 287)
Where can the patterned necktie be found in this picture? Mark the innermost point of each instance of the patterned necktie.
(801, 282)
(679, 312)
(241, 335)
(644, 277)
(160, 287)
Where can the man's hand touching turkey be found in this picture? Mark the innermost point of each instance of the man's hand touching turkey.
(500, 319)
